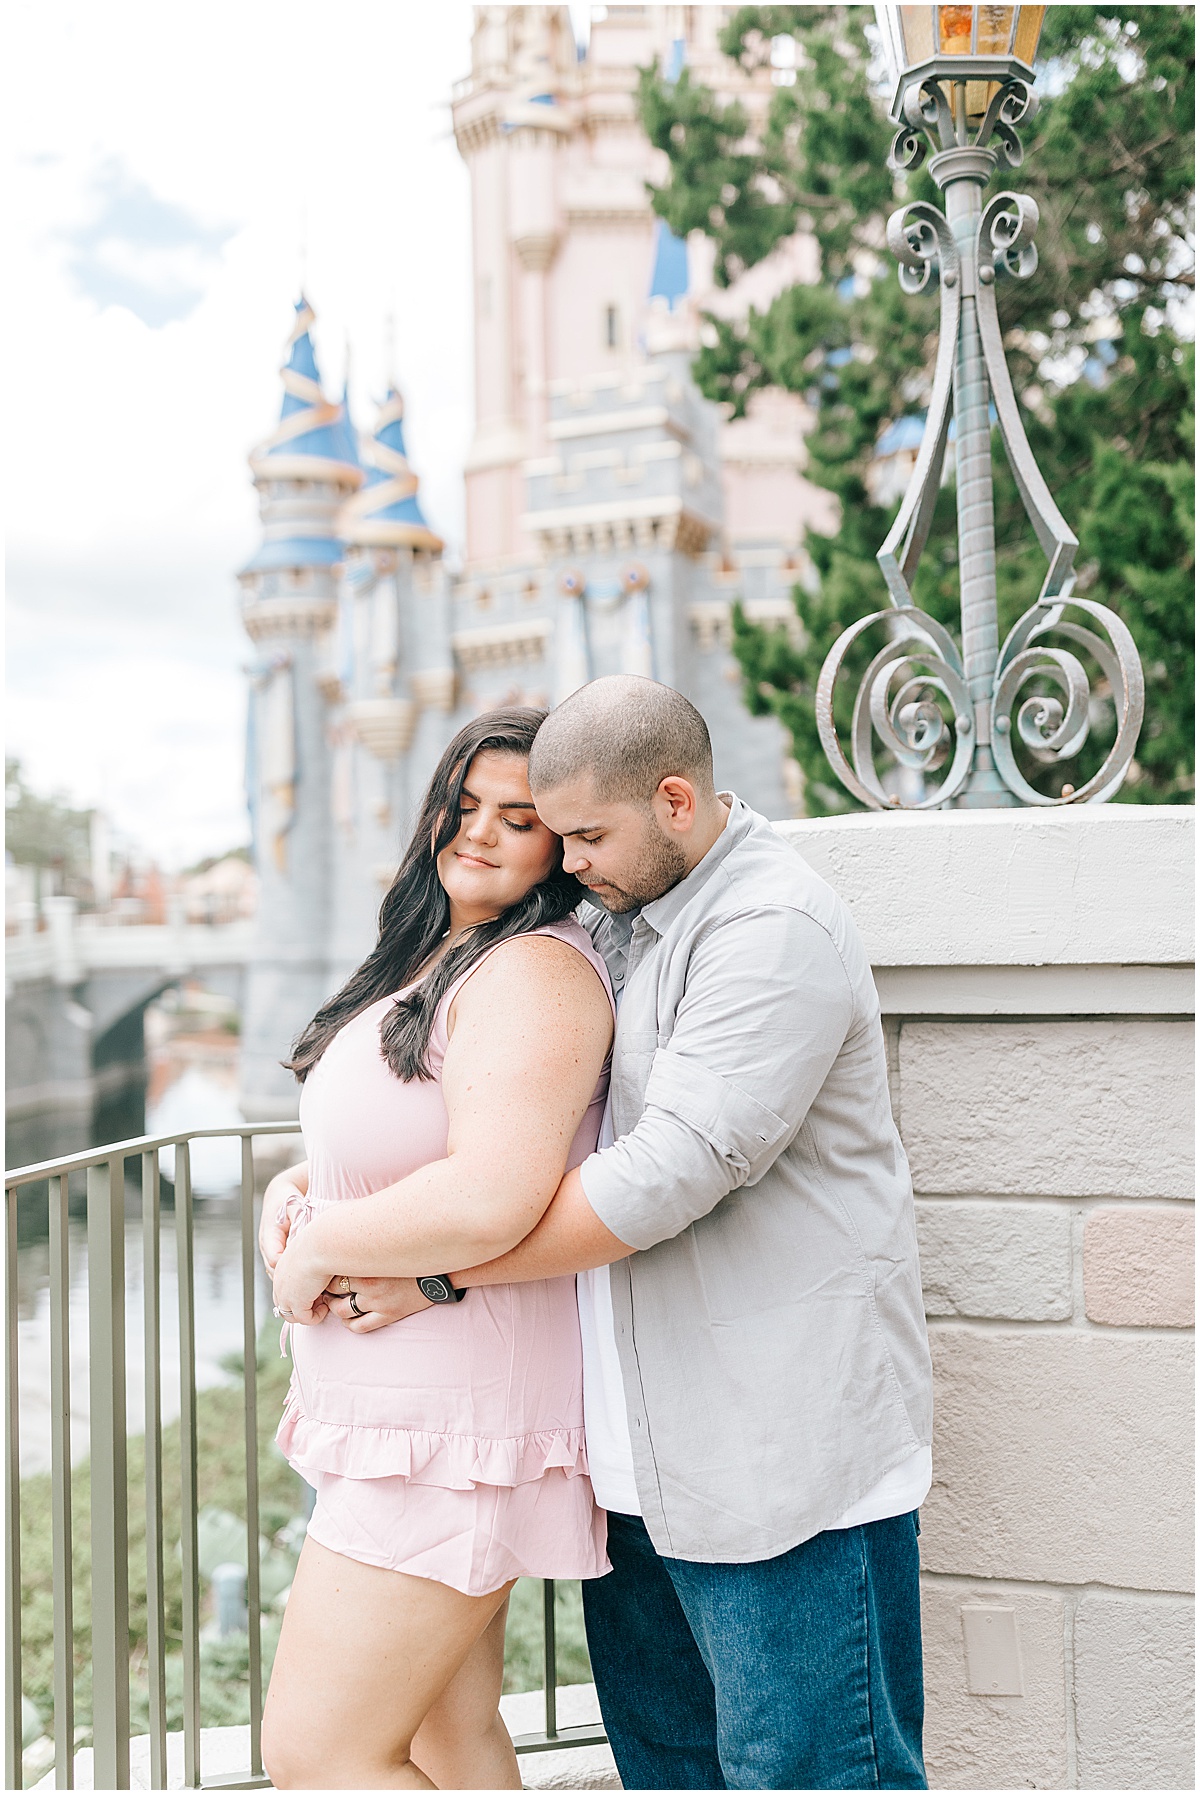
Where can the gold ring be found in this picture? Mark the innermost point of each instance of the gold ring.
(345, 1284)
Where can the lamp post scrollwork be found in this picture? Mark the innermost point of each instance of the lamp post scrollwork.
(964, 83)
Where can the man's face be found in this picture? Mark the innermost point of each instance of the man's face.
(620, 851)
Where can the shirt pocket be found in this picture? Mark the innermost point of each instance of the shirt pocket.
(746, 1134)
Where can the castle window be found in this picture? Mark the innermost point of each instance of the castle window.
(612, 327)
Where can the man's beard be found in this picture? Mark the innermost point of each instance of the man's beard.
(662, 864)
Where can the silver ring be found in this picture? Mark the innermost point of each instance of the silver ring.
(354, 1308)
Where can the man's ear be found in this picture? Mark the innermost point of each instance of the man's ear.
(678, 797)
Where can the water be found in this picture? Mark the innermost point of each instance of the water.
(197, 1099)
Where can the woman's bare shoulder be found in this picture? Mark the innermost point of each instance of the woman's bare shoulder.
(541, 970)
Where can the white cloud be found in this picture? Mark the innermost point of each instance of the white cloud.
(188, 153)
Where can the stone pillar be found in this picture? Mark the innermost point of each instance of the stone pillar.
(1034, 973)
(287, 975)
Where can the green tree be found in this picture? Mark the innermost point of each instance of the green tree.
(46, 832)
(1095, 338)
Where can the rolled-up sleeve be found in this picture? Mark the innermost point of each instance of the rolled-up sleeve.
(751, 1047)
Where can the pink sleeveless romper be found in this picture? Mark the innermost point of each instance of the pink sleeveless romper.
(449, 1445)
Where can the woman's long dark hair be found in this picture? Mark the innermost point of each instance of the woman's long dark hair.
(415, 914)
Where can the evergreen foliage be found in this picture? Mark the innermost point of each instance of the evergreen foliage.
(1095, 339)
(45, 831)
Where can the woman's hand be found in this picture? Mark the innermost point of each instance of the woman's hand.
(299, 1282)
(275, 1222)
(380, 1302)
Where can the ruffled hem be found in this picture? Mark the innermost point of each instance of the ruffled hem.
(447, 1461)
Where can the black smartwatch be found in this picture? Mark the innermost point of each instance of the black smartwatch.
(439, 1289)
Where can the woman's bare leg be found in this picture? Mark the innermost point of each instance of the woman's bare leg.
(363, 1656)
(462, 1743)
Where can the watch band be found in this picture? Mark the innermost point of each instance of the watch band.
(439, 1289)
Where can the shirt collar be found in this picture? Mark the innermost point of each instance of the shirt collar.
(663, 911)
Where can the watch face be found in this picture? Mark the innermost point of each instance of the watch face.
(433, 1288)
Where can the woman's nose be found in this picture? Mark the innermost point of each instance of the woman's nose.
(481, 826)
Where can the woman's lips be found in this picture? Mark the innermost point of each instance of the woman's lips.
(474, 860)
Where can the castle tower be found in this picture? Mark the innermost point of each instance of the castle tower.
(304, 472)
(563, 241)
(390, 663)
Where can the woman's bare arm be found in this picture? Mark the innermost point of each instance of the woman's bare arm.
(531, 1030)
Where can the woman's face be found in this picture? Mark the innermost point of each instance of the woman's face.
(502, 849)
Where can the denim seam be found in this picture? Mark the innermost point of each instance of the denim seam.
(866, 1601)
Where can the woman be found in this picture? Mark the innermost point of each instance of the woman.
(465, 1064)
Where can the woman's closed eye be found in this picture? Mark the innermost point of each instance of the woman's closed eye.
(466, 810)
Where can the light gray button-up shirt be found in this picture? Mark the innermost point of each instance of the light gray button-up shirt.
(770, 1325)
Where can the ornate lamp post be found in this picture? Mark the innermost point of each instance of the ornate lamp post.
(963, 80)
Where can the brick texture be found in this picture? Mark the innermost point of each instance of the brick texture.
(1007, 1260)
(1135, 1693)
(1061, 1456)
(993, 1742)
(1139, 1267)
(1073, 1109)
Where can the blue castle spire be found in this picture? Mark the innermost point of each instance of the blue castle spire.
(310, 436)
(314, 443)
(386, 512)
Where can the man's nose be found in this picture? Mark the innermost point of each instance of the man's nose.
(574, 859)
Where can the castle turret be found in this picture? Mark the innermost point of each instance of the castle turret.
(393, 663)
(304, 472)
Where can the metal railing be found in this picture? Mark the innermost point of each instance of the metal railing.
(105, 1169)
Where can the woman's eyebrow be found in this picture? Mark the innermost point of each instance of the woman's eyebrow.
(505, 803)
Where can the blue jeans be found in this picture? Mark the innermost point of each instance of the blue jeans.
(797, 1672)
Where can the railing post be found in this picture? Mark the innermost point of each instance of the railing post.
(550, 1658)
(62, 1554)
(13, 1778)
(189, 1540)
(110, 1519)
(156, 1645)
(250, 1401)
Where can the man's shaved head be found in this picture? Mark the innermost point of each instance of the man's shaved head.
(628, 735)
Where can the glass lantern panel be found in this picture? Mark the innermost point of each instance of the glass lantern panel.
(1029, 29)
(917, 29)
(994, 31)
(954, 30)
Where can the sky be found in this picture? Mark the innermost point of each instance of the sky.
(178, 173)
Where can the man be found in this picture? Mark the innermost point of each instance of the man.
(757, 1378)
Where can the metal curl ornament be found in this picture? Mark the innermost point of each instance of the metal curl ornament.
(1049, 732)
(956, 719)
(906, 719)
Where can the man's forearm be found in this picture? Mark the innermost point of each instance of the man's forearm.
(570, 1237)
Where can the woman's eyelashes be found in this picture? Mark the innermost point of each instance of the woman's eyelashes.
(468, 810)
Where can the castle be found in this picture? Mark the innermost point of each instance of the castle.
(613, 516)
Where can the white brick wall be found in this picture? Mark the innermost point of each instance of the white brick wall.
(1050, 1139)
(1049, 1108)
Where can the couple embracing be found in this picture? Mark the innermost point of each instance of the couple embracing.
(602, 1264)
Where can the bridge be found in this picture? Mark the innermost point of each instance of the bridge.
(76, 993)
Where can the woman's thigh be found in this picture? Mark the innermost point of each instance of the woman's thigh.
(462, 1742)
(363, 1655)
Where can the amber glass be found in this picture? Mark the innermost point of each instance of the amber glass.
(954, 29)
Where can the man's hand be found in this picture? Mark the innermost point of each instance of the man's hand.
(381, 1301)
(275, 1223)
(299, 1283)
